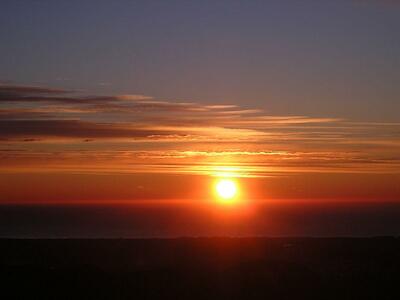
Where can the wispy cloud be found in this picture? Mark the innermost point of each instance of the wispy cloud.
(65, 130)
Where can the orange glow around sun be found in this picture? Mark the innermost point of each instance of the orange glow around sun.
(226, 190)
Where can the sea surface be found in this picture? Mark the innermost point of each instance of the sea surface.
(314, 219)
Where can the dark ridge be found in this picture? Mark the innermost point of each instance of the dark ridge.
(201, 268)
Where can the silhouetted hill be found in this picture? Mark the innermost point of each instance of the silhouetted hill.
(201, 268)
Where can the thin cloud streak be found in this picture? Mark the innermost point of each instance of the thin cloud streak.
(39, 126)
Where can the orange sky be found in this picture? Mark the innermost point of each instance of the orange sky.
(63, 146)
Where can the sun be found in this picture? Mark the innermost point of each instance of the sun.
(226, 190)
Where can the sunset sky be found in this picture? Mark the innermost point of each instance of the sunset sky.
(151, 102)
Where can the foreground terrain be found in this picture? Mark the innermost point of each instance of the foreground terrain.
(201, 268)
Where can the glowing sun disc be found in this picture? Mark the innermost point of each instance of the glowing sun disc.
(226, 189)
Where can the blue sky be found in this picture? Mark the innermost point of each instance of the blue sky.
(315, 58)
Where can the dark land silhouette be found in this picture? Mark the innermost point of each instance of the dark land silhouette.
(201, 268)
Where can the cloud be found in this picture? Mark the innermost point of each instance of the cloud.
(182, 136)
(21, 113)
(122, 103)
(134, 97)
(72, 129)
(14, 93)
(29, 90)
